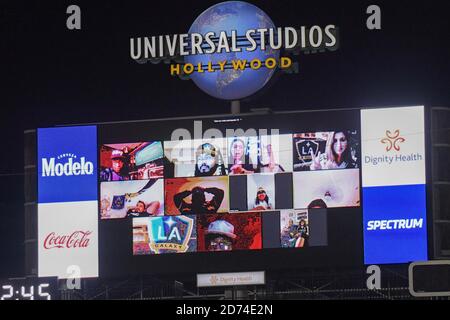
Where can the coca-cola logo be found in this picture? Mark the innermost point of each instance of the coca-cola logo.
(78, 239)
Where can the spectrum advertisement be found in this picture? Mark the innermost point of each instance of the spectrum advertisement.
(269, 191)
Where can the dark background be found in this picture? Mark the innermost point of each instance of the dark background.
(51, 75)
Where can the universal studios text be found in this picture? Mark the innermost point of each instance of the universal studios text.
(175, 47)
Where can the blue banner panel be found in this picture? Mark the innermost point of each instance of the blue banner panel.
(395, 228)
(67, 164)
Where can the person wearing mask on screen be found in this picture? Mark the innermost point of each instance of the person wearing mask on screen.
(199, 204)
(118, 170)
(238, 163)
(338, 153)
(219, 236)
(209, 161)
(262, 200)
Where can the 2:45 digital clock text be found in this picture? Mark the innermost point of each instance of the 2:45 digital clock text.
(24, 292)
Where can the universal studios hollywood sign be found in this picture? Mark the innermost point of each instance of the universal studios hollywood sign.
(233, 38)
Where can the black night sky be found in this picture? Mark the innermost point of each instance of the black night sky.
(51, 75)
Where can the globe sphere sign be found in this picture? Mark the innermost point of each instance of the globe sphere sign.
(233, 49)
(231, 83)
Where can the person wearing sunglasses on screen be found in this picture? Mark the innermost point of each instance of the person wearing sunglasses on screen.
(209, 161)
(219, 236)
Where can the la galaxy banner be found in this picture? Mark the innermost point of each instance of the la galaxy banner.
(168, 234)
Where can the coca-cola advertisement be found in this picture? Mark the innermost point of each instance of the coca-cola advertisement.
(77, 239)
(68, 239)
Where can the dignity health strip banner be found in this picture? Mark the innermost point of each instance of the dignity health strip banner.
(393, 181)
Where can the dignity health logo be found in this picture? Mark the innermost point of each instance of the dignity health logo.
(214, 279)
(393, 142)
(66, 164)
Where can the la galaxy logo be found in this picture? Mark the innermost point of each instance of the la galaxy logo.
(305, 148)
(171, 234)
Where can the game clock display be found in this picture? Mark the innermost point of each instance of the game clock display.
(29, 289)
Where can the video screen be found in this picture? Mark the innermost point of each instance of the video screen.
(294, 228)
(196, 158)
(244, 190)
(131, 161)
(261, 192)
(326, 189)
(241, 189)
(259, 154)
(159, 235)
(228, 232)
(325, 150)
(229, 156)
(196, 195)
(128, 199)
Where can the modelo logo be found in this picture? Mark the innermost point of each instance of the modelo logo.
(67, 166)
(78, 239)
